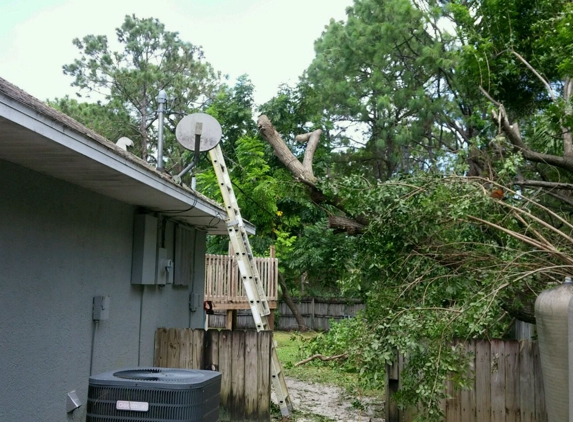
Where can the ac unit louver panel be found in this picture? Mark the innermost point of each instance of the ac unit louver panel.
(154, 394)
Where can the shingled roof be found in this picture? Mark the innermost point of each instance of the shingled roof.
(37, 136)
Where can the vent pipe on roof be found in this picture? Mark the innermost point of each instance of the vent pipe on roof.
(161, 99)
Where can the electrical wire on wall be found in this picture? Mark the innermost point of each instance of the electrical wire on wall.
(140, 324)
(95, 327)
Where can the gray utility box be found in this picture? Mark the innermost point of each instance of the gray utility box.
(154, 394)
(144, 259)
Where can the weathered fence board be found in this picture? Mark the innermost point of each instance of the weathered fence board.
(507, 385)
(225, 367)
(250, 368)
(392, 375)
(238, 376)
(243, 358)
(316, 313)
(512, 390)
(540, 410)
(483, 381)
(468, 399)
(527, 390)
(264, 376)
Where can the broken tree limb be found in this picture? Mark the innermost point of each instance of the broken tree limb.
(312, 138)
(544, 184)
(290, 303)
(322, 358)
(270, 134)
(513, 134)
(343, 224)
(303, 172)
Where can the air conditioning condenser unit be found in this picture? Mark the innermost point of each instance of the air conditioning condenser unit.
(154, 394)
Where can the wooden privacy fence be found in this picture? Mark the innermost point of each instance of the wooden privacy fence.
(223, 285)
(242, 357)
(507, 386)
(316, 313)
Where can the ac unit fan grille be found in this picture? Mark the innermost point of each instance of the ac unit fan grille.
(193, 405)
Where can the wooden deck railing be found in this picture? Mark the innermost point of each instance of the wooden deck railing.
(223, 285)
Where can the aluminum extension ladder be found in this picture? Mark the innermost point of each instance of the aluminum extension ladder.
(249, 273)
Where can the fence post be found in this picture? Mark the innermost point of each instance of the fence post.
(231, 321)
(392, 374)
(312, 315)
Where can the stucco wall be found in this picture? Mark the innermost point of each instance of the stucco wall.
(60, 246)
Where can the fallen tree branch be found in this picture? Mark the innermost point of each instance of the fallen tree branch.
(290, 303)
(513, 134)
(322, 358)
(270, 134)
(312, 138)
(536, 73)
(543, 184)
(303, 173)
(343, 224)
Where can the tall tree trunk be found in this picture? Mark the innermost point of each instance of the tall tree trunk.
(292, 306)
(567, 136)
(143, 126)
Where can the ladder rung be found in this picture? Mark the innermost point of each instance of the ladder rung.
(250, 274)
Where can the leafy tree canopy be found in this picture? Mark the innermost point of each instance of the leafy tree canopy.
(460, 178)
(149, 59)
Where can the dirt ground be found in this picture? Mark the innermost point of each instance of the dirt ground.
(322, 403)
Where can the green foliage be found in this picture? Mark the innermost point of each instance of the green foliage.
(445, 255)
(150, 58)
(491, 30)
(323, 256)
(294, 347)
(369, 349)
(104, 119)
(233, 107)
(440, 260)
(384, 73)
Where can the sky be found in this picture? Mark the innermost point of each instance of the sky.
(270, 40)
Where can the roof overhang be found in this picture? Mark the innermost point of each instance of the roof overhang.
(38, 137)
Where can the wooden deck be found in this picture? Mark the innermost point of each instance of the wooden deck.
(223, 285)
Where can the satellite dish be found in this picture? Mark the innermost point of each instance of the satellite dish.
(199, 124)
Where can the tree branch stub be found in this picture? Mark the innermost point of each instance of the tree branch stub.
(312, 138)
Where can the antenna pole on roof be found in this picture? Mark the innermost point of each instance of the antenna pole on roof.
(161, 99)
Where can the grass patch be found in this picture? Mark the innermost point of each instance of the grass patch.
(289, 353)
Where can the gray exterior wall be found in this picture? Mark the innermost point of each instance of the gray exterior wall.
(61, 245)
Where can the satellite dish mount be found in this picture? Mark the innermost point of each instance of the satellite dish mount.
(198, 132)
